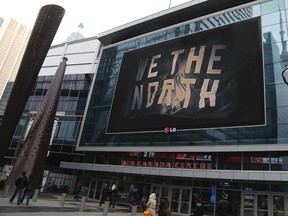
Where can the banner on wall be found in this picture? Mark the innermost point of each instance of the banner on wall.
(206, 80)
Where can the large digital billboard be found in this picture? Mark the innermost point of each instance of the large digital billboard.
(209, 79)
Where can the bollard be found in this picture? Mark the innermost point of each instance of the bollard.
(134, 210)
(7, 188)
(83, 200)
(63, 197)
(106, 207)
(35, 195)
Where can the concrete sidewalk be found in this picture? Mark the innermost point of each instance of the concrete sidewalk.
(48, 204)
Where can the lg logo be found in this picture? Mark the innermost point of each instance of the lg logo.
(169, 130)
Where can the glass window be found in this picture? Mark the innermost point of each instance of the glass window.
(230, 160)
(19, 129)
(256, 186)
(205, 197)
(202, 183)
(115, 158)
(274, 18)
(279, 187)
(272, 6)
(102, 158)
(228, 185)
(274, 31)
(279, 160)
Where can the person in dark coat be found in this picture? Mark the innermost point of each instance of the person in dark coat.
(133, 197)
(199, 208)
(164, 205)
(104, 194)
(77, 192)
(113, 195)
(29, 190)
(20, 183)
(144, 200)
(223, 207)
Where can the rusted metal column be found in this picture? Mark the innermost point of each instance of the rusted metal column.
(33, 155)
(43, 33)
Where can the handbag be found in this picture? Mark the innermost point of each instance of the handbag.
(147, 213)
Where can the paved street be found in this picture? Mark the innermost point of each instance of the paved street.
(48, 204)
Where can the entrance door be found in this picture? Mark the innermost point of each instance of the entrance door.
(264, 204)
(181, 200)
(159, 190)
(95, 189)
(96, 186)
(255, 204)
(279, 205)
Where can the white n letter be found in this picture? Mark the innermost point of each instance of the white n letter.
(138, 97)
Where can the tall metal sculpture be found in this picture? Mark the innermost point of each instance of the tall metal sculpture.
(43, 33)
(33, 155)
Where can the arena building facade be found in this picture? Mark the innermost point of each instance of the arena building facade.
(192, 101)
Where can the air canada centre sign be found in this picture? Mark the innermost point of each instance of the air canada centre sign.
(206, 80)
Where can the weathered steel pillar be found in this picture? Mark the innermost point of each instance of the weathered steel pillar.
(43, 33)
(33, 155)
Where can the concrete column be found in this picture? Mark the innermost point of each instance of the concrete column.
(105, 209)
(134, 210)
(35, 195)
(7, 188)
(83, 200)
(63, 197)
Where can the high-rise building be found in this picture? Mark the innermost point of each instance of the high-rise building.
(13, 40)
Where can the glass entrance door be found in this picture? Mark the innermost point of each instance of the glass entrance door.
(96, 186)
(159, 190)
(255, 204)
(264, 204)
(248, 204)
(181, 200)
(279, 205)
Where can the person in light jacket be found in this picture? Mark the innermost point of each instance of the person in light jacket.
(151, 204)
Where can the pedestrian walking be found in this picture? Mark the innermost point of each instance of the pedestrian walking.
(144, 202)
(20, 184)
(223, 207)
(29, 190)
(113, 195)
(164, 205)
(133, 197)
(151, 204)
(77, 192)
(104, 194)
(199, 208)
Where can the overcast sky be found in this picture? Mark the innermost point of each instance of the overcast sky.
(96, 15)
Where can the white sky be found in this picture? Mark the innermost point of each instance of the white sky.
(96, 15)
